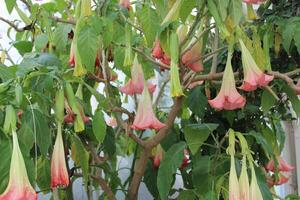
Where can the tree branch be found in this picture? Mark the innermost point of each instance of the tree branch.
(107, 190)
(57, 19)
(140, 167)
(13, 25)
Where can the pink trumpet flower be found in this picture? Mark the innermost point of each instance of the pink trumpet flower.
(253, 76)
(59, 172)
(145, 117)
(234, 192)
(282, 165)
(157, 51)
(19, 187)
(228, 97)
(254, 1)
(136, 84)
(192, 58)
(298, 84)
(125, 4)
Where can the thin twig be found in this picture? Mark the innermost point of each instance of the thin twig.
(13, 25)
(67, 21)
(161, 91)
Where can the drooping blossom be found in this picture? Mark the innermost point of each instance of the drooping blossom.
(112, 122)
(228, 97)
(234, 191)
(255, 193)
(253, 76)
(271, 180)
(136, 84)
(19, 187)
(298, 84)
(185, 160)
(158, 156)
(254, 1)
(157, 51)
(125, 4)
(72, 55)
(192, 58)
(145, 117)
(282, 165)
(59, 172)
(244, 181)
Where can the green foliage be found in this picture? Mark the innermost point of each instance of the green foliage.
(99, 126)
(168, 167)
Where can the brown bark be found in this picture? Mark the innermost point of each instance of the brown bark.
(140, 167)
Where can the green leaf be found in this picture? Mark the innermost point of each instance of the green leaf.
(222, 6)
(287, 36)
(196, 134)
(261, 181)
(60, 36)
(168, 168)
(109, 142)
(293, 98)
(186, 10)
(43, 175)
(194, 100)
(260, 139)
(201, 174)
(7, 73)
(215, 13)
(10, 4)
(161, 6)
(5, 156)
(187, 194)
(267, 101)
(87, 43)
(236, 11)
(40, 42)
(40, 123)
(297, 37)
(150, 178)
(149, 23)
(23, 47)
(80, 157)
(99, 126)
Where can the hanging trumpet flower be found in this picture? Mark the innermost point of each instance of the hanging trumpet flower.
(136, 84)
(59, 173)
(253, 76)
(228, 97)
(145, 117)
(19, 187)
(244, 181)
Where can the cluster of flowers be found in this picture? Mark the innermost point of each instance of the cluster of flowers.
(282, 167)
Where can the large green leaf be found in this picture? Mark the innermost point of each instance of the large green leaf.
(168, 167)
(267, 101)
(186, 10)
(80, 157)
(196, 134)
(236, 11)
(35, 120)
(5, 156)
(194, 99)
(149, 22)
(60, 37)
(293, 98)
(40, 41)
(23, 47)
(99, 126)
(201, 174)
(87, 44)
(10, 4)
(44, 178)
